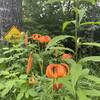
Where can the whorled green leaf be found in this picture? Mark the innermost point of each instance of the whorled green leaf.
(75, 72)
(23, 89)
(93, 78)
(62, 48)
(92, 92)
(20, 82)
(82, 95)
(37, 58)
(90, 23)
(66, 23)
(8, 87)
(27, 94)
(67, 84)
(53, 1)
(56, 39)
(6, 48)
(1, 86)
(84, 72)
(93, 2)
(23, 77)
(2, 60)
(68, 97)
(70, 61)
(91, 58)
(4, 73)
(91, 44)
(32, 92)
(81, 13)
(20, 96)
(12, 50)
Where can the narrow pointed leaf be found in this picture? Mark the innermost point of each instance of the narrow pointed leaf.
(82, 95)
(93, 2)
(93, 92)
(91, 44)
(62, 48)
(93, 78)
(90, 23)
(56, 39)
(91, 58)
(66, 23)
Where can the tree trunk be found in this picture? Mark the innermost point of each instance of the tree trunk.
(10, 14)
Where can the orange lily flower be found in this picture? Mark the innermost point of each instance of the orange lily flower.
(44, 39)
(55, 71)
(57, 86)
(66, 56)
(66, 68)
(36, 36)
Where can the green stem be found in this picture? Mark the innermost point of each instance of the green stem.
(76, 37)
(41, 68)
(41, 71)
(76, 29)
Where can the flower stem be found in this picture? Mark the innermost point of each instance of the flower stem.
(76, 29)
(76, 36)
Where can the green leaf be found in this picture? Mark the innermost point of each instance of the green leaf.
(93, 78)
(1, 86)
(67, 84)
(93, 2)
(90, 23)
(37, 58)
(23, 77)
(27, 94)
(75, 73)
(20, 96)
(70, 61)
(19, 82)
(82, 95)
(32, 93)
(92, 92)
(84, 73)
(91, 44)
(56, 39)
(67, 97)
(81, 14)
(91, 58)
(2, 60)
(53, 1)
(6, 48)
(62, 48)
(8, 87)
(4, 73)
(66, 23)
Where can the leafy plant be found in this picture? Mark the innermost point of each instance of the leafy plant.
(80, 84)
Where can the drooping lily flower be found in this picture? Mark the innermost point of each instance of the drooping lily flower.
(36, 36)
(45, 39)
(55, 71)
(57, 86)
(66, 56)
